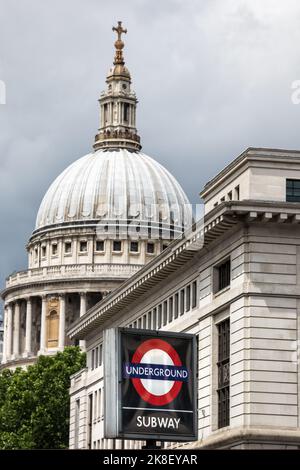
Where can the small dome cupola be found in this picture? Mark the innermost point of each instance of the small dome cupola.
(118, 105)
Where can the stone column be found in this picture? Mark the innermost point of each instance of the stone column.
(28, 343)
(5, 314)
(62, 322)
(82, 312)
(16, 346)
(82, 303)
(43, 325)
(8, 337)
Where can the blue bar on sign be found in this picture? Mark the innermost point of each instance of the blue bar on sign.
(155, 372)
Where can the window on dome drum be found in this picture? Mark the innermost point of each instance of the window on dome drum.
(83, 246)
(237, 193)
(292, 190)
(44, 251)
(164, 246)
(117, 245)
(222, 276)
(134, 247)
(126, 112)
(150, 248)
(100, 245)
(68, 247)
(223, 372)
(54, 249)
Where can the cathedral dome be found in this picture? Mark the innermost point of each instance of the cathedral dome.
(116, 187)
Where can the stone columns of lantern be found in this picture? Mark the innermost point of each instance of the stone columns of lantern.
(43, 325)
(28, 329)
(62, 322)
(83, 305)
(16, 335)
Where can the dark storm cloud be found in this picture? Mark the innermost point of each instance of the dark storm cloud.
(213, 77)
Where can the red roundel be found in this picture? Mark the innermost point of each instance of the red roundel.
(165, 392)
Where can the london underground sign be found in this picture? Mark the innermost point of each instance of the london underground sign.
(154, 396)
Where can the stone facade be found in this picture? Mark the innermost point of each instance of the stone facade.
(179, 291)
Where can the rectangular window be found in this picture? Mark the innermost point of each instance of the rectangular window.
(77, 416)
(188, 299)
(99, 403)
(165, 313)
(170, 309)
(159, 313)
(117, 245)
(54, 249)
(100, 355)
(96, 357)
(134, 247)
(44, 250)
(68, 247)
(154, 319)
(292, 190)
(150, 248)
(93, 359)
(176, 309)
(90, 420)
(140, 323)
(223, 373)
(83, 246)
(126, 112)
(222, 275)
(105, 113)
(237, 193)
(194, 294)
(229, 196)
(145, 322)
(100, 245)
(95, 405)
(149, 319)
(182, 301)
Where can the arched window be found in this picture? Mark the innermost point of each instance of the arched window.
(52, 329)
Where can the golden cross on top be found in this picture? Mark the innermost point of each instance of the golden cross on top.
(119, 30)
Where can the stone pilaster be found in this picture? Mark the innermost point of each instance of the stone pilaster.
(28, 342)
(62, 322)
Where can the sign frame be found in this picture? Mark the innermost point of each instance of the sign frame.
(113, 377)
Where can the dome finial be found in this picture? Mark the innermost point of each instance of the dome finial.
(119, 44)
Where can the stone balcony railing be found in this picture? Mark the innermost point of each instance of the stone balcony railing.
(70, 271)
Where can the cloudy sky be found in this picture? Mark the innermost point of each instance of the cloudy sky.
(213, 77)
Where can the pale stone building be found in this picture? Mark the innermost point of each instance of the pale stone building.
(102, 219)
(233, 281)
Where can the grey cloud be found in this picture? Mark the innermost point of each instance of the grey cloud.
(212, 77)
